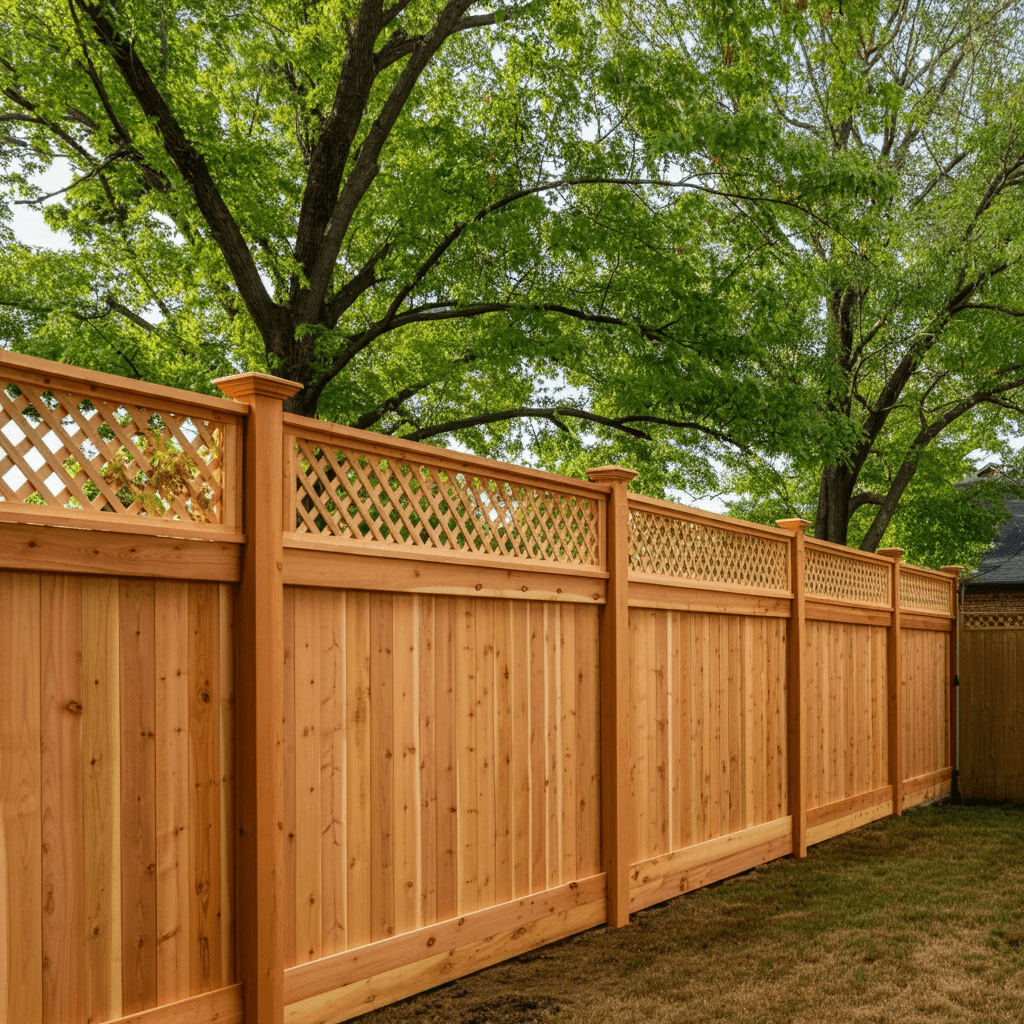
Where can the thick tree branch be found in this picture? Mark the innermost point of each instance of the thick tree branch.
(270, 319)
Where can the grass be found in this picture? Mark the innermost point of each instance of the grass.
(911, 919)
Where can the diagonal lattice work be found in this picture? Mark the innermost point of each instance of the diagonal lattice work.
(63, 450)
(845, 578)
(686, 549)
(925, 592)
(994, 620)
(358, 495)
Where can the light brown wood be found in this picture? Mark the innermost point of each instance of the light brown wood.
(344, 987)
(353, 565)
(224, 1006)
(661, 878)
(615, 716)
(63, 924)
(681, 596)
(796, 691)
(21, 998)
(259, 635)
(837, 826)
(894, 673)
(138, 880)
(928, 787)
(848, 805)
(48, 549)
(47, 373)
(818, 611)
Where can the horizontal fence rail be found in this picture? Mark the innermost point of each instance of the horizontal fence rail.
(434, 710)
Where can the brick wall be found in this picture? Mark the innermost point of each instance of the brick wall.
(1002, 610)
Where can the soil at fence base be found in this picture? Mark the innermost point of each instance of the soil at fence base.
(916, 919)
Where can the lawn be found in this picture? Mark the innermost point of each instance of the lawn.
(918, 918)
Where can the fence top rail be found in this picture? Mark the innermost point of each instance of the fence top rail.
(445, 458)
(829, 547)
(920, 570)
(45, 373)
(82, 448)
(674, 510)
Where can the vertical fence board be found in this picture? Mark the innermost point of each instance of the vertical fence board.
(522, 828)
(428, 734)
(407, 878)
(504, 768)
(446, 732)
(20, 796)
(172, 790)
(382, 767)
(101, 802)
(206, 960)
(138, 794)
(63, 923)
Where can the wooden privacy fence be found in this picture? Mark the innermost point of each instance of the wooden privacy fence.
(296, 720)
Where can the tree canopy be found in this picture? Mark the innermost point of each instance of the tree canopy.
(786, 238)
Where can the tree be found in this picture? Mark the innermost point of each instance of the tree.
(414, 210)
(885, 165)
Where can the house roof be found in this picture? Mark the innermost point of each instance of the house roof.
(1004, 563)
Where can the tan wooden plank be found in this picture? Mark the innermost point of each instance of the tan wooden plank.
(408, 879)
(206, 955)
(21, 977)
(289, 809)
(222, 1006)
(360, 752)
(337, 562)
(733, 688)
(121, 545)
(704, 680)
(660, 878)
(504, 774)
(684, 688)
(521, 740)
(569, 743)
(718, 800)
(308, 676)
(819, 611)
(553, 738)
(467, 754)
(138, 795)
(63, 922)
(427, 669)
(826, 830)
(333, 772)
(226, 752)
(484, 713)
(101, 803)
(637, 736)
(517, 935)
(538, 740)
(588, 825)
(848, 805)
(688, 596)
(382, 767)
(751, 764)
(660, 790)
(172, 789)
(446, 733)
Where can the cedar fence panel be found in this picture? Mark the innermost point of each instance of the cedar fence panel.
(435, 710)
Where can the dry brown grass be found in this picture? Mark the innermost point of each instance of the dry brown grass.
(915, 919)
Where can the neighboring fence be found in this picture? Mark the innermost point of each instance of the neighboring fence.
(992, 697)
(426, 713)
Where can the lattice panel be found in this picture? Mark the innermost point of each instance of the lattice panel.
(994, 620)
(359, 496)
(924, 592)
(844, 578)
(664, 546)
(62, 450)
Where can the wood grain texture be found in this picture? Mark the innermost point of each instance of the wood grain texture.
(21, 984)
(63, 924)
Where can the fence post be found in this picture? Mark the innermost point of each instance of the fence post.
(615, 714)
(954, 671)
(894, 671)
(259, 652)
(796, 687)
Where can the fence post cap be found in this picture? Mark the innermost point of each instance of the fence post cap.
(602, 474)
(894, 553)
(952, 570)
(244, 387)
(799, 525)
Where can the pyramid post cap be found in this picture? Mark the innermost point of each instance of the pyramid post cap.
(244, 387)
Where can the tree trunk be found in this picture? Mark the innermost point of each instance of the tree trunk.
(834, 492)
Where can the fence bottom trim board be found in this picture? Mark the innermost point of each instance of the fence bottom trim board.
(923, 788)
(661, 878)
(852, 804)
(484, 938)
(222, 1006)
(827, 829)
